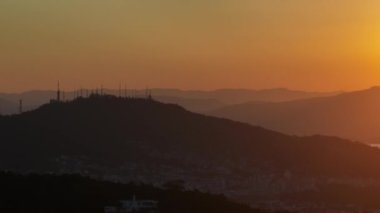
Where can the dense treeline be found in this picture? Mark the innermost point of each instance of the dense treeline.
(76, 194)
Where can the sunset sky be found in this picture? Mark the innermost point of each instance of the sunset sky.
(198, 44)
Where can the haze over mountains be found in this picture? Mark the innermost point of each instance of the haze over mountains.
(133, 139)
(198, 101)
(353, 115)
(7, 107)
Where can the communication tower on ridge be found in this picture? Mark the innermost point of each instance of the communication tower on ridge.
(58, 93)
(148, 94)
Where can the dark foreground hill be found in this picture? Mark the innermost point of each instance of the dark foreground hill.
(147, 141)
(76, 194)
(353, 115)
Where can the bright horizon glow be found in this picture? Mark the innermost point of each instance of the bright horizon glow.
(201, 44)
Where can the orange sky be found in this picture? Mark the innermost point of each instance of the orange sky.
(198, 44)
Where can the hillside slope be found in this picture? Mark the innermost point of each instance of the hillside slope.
(129, 139)
(111, 129)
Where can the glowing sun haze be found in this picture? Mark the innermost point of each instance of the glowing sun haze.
(197, 44)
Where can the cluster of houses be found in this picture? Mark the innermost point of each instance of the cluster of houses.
(133, 206)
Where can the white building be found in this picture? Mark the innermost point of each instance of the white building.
(130, 206)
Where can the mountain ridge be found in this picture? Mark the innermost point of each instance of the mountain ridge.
(194, 100)
(351, 115)
(117, 120)
(135, 139)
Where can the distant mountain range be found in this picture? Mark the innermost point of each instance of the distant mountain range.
(134, 139)
(7, 107)
(235, 96)
(353, 115)
(198, 101)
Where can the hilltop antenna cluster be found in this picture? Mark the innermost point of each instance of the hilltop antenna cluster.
(148, 94)
(99, 91)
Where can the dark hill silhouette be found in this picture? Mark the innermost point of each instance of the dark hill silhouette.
(132, 139)
(352, 115)
(111, 130)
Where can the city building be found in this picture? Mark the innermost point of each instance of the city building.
(133, 206)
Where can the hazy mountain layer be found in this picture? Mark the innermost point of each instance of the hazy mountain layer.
(352, 115)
